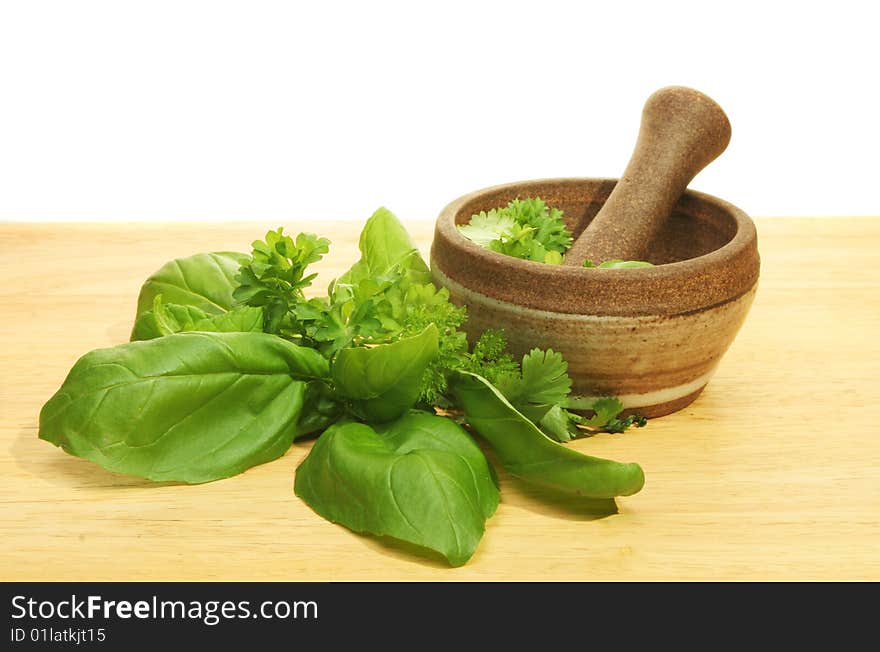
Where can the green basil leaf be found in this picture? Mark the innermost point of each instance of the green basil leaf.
(190, 407)
(244, 319)
(420, 479)
(324, 409)
(384, 381)
(617, 263)
(384, 244)
(532, 456)
(166, 319)
(205, 281)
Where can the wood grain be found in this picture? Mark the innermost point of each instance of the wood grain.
(773, 473)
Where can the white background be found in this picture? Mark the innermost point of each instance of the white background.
(312, 111)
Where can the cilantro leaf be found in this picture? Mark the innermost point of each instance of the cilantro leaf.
(562, 425)
(559, 424)
(484, 227)
(607, 416)
(544, 380)
(606, 410)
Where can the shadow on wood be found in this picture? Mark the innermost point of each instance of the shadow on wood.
(51, 464)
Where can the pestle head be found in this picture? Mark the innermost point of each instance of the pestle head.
(682, 131)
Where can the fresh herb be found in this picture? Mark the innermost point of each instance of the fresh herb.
(531, 230)
(230, 362)
(530, 455)
(607, 411)
(564, 425)
(616, 263)
(490, 358)
(203, 281)
(420, 479)
(165, 319)
(525, 228)
(382, 382)
(190, 407)
(274, 278)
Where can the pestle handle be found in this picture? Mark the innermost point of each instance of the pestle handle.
(682, 131)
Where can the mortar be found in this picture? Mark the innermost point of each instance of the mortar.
(651, 336)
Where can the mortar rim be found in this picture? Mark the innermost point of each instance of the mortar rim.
(671, 288)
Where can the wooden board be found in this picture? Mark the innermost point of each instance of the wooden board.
(774, 473)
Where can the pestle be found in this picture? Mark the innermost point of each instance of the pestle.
(682, 131)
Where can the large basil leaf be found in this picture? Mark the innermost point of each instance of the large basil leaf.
(419, 479)
(190, 407)
(384, 244)
(205, 281)
(532, 456)
(384, 381)
(165, 319)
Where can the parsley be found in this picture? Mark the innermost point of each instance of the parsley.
(489, 358)
(274, 278)
(549, 226)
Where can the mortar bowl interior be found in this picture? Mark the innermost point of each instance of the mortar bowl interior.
(651, 336)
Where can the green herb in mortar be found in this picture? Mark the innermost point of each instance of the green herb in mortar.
(230, 362)
(525, 228)
(531, 230)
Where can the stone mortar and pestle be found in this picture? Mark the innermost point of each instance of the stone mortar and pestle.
(652, 336)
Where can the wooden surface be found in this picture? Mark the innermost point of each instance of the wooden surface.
(773, 473)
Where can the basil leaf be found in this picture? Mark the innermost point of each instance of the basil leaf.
(190, 407)
(384, 244)
(205, 281)
(244, 319)
(165, 319)
(532, 456)
(617, 263)
(419, 479)
(324, 409)
(384, 381)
